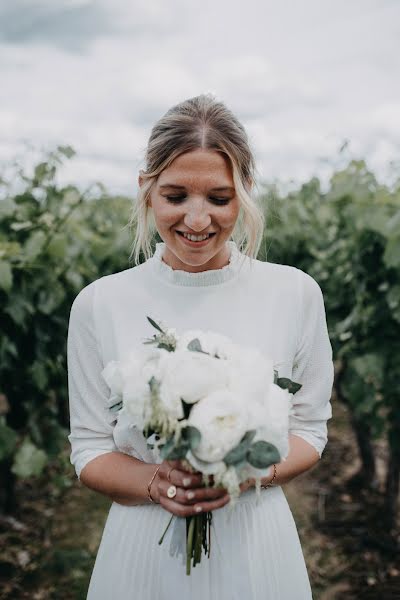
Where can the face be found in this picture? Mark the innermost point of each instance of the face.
(195, 196)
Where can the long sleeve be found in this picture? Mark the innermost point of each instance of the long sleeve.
(313, 368)
(91, 425)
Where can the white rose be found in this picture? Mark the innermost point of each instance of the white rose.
(190, 376)
(221, 419)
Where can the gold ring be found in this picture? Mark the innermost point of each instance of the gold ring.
(169, 474)
(171, 491)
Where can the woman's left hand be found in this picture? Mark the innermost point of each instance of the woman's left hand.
(246, 485)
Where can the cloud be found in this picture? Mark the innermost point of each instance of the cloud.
(302, 77)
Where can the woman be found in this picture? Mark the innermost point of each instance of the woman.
(195, 191)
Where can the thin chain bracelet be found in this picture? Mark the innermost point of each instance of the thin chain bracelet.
(150, 482)
(271, 483)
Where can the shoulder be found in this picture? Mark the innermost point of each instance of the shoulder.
(105, 287)
(286, 276)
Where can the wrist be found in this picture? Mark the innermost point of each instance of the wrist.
(152, 487)
(270, 481)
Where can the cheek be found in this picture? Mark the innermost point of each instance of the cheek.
(231, 214)
(165, 213)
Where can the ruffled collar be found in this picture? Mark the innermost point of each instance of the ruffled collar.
(204, 278)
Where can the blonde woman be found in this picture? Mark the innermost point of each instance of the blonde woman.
(196, 191)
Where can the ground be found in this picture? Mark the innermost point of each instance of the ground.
(48, 547)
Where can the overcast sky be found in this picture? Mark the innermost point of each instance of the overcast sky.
(302, 76)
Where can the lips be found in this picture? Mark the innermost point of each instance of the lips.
(193, 243)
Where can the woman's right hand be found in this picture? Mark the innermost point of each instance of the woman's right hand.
(192, 497)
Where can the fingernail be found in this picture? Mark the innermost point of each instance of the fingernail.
(198, 509)
(187, 481)
(190, 495)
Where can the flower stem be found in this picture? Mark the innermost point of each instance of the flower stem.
(189, 545)
(160, 541)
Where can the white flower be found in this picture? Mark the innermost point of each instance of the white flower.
(129, 380)
(190, 376)
(207, 468)
(221, 419)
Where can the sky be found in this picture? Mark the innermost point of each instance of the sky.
(303, 78)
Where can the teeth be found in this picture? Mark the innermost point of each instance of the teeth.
(196, 238)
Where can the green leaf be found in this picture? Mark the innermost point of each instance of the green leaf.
(263, 454)
(156, 325)
(239, 452)
(171, 452)
(34, 245)
(39, 375)
(28, 460)
(58, 246)
(6, 276)
(191, 435)
(288, 384)
(195, 345)
(8, 440)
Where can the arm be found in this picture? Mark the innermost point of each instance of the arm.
(313, 368)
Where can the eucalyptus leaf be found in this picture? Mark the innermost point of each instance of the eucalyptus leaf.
(155, 325)
(195, 346)
(288, 384)
(263, 454)
(192, 435)
(239, 452)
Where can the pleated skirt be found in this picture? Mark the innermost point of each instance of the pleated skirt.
(255, 554)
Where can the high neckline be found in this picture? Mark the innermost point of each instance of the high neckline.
(203, 278)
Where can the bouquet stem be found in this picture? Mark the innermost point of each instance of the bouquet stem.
(198, 536)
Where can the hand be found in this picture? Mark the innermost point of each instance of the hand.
(245, 485)
(192, 497)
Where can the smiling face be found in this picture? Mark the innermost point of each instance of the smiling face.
(195, 196)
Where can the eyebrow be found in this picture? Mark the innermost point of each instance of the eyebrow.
(182, 187)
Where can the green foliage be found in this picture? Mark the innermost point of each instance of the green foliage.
(29, 460)
(53, 241)
(348, 239)
(262, 454)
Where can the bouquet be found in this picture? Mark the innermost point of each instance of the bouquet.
(201, 398)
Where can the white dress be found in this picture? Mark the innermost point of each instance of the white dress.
(255, 551)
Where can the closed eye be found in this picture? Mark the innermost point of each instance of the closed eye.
(218, 201)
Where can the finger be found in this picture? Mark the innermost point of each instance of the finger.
(190, 496)
(181, 478)
(188, 510)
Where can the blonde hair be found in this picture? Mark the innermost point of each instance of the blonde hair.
(200, 122)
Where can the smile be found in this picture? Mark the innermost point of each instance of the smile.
(195, 238)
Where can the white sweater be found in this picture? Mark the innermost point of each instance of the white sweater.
(275, 308)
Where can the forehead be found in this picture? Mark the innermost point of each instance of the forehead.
(206, 167)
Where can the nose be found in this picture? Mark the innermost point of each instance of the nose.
(197, 217)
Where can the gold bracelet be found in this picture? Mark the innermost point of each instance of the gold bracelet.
(270, 484)
(150, 482)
